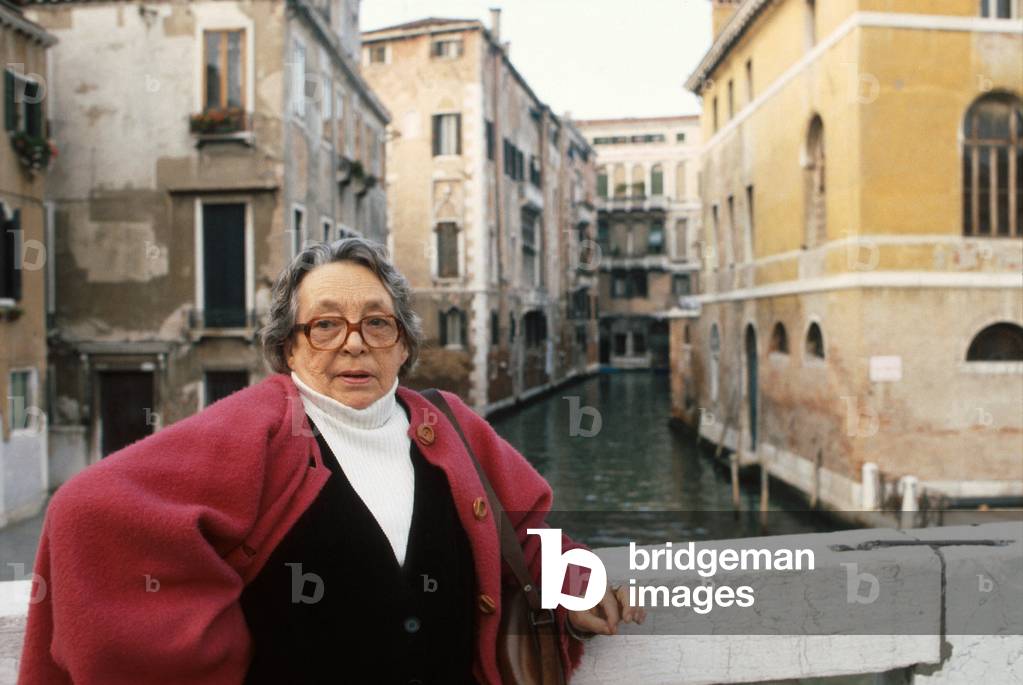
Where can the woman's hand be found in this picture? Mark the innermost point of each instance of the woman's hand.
(604, 617)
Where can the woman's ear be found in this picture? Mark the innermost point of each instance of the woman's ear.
(289, 355)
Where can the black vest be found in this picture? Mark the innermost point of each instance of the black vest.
(333, 605)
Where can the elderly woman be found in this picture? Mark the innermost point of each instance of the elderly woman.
(326, 523)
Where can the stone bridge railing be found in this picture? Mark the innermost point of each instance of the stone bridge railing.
(950, 611)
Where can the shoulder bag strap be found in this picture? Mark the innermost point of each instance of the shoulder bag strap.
(511, 551)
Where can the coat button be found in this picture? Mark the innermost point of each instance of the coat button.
(487, 604)
(479, 508)
(425, 434)
(412, 624)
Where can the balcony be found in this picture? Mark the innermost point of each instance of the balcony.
(635, 203)
(353, 172)
(34, 152)
(222, 323)
(531, 196)
(222, 125)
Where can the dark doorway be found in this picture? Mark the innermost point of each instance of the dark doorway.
(660, 344)
(223, 244)
(126, 408)
(220, 384)
(751, 383)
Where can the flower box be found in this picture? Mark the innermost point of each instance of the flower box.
(216, 121)
(34, 152)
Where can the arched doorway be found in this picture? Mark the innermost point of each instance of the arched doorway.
(751, 383)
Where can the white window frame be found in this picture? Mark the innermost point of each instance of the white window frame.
(31, 401)
(446, 52)
(326, 95)
(223, 18)
(458, 130)
(369, 54)
(297, 70)
(250, 259)
(296, 231)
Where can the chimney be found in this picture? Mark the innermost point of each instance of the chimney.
(495, 24)
(721, 12)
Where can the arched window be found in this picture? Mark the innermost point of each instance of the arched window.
(999, 342)
(715, 358)
(814, 341)
(780, 339)
(657, 180)
(452, 328)
(680, 181)
(814, 185)
(621, 184)
(686, 336)
(602, 181)
(495, 329)
(993, 167)
(638, 182)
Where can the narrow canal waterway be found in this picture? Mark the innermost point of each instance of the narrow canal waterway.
(636, 479)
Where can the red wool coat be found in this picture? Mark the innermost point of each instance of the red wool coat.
(145, 554)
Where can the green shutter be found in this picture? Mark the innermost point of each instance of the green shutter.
(10, 114)
(16, 236)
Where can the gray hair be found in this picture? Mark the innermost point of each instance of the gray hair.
(275, 335)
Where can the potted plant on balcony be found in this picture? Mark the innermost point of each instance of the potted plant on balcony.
(34, 152)
(218, 121)
(363, 181)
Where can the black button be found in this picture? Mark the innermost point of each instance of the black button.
(412, 625)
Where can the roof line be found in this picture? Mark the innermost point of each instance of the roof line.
(636, 120)
(11, 16)
(733, 30)
(458, 25)
(329, 38)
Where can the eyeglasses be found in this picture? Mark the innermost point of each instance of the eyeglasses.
(330, 333)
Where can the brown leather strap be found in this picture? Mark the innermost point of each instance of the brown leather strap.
(511, 551)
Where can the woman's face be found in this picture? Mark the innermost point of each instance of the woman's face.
(351, 291)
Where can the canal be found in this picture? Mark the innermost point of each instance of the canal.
(628, 476)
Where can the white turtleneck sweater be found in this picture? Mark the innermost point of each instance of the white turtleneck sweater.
(373, 448)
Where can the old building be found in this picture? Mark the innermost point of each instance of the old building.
(206, 142)
(648, 218)
(25, 155)
(489, 195)
(862, 300)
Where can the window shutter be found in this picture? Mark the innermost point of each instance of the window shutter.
(10, 269)
(10, 113)
(443, 328)
(458, 134)
(462, 319)
(436, 134)
(16, 226)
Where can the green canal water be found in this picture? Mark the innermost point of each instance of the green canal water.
(636, 478)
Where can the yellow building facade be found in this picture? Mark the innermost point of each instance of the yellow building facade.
(859, 330)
